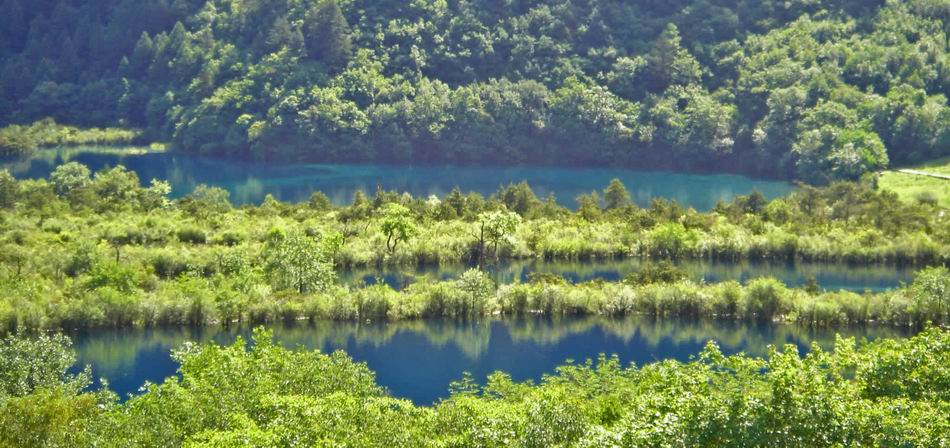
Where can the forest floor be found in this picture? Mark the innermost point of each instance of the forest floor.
(928, 182)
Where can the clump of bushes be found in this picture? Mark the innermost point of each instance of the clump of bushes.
(17, 140)
(194, 292)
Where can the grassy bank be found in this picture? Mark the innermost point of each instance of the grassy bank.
(919, 187)
(885, 393)
(18, 140)
(193, 300)
(110, 211)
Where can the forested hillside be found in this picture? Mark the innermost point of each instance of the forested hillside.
(813, 89)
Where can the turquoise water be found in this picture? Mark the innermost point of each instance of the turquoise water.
(831, 277)
(248, 182)
(418, 360)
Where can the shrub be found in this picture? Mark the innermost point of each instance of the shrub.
(192, 235)
(766, 299)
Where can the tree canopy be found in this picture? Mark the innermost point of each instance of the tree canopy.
(817, 90)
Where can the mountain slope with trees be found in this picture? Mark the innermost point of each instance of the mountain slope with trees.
(815, 90)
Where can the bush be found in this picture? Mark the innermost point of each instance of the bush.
(192, 235)
(766, 299)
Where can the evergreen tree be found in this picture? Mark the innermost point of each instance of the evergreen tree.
(328, 34)
(68, 61)
(283, 35)
(616, 195)
(669, 63)
(13, 26)
(142, 55)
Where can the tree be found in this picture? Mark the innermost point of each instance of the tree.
(69, 63)
(117, 236)
(156, 195)
(13, 26)
(69, 177)
(117, 187)
(16, 256)
(477, 285)
(931, 294)
(616, 195)
(588, 206)
(494, 228)
(8, 189)
(669, 63)
(397, 224)
(142, 55)
(519, 198)
(295, 260)
(206, 201)
(327, 34)
(283, 35)
(30, 363)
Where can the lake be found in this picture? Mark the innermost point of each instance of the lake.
(831, 277)
(418, 360)
(249, 181)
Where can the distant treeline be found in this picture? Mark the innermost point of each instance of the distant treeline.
(816, 90)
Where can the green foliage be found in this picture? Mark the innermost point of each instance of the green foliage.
(397, 224)
(931, 293)
(297, 261)
(69, 177)
(616, 195)
(478, 287)
(327, 34)
(262, 394)
(30, 364)
(495, 228)
(663, 272)
(114, 253)
(817, 90)
(16, 140)
(8, 189)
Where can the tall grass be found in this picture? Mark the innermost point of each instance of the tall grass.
(193, 300)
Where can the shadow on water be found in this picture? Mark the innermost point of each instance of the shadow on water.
(832, 277)
(419, 359)
(248, 181)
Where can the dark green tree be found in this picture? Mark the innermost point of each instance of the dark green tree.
(327, 34)
(13, 26)
(668, 63)
(616, 195)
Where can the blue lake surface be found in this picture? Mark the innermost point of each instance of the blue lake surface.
(249, 182)
(418, 360)
(831, 277)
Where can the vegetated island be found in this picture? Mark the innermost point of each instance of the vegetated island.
(103, 251)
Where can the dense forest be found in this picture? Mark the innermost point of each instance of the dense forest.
(817, 90)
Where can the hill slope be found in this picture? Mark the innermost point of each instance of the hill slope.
(816, 90)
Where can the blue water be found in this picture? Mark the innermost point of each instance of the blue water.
(418, 360)
(249, 182)
(831, 277)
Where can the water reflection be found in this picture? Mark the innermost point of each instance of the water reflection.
(831, 277)
(249, 182)
(418, 359)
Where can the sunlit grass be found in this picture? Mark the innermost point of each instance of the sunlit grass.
(915, 187)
